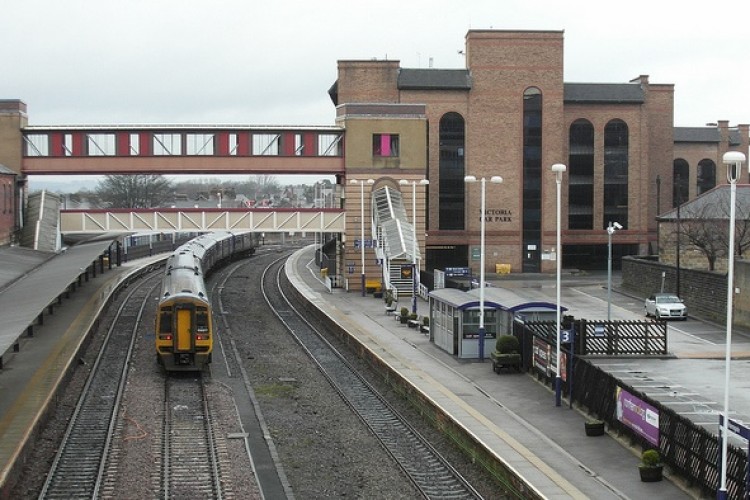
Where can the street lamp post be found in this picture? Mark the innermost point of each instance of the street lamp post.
(362, 183)
(469, 179)
(733, 161)
(414, 280)
(611, 228)
(559, 170)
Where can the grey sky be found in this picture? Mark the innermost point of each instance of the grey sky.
(251, 62)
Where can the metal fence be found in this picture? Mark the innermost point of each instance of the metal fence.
(689, 450)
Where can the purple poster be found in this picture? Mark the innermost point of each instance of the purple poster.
(638, 415)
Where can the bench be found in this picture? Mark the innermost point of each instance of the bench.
(413, 323)
(508, 361)
(390, 310)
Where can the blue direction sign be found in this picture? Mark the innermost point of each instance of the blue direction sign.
(735, 427)
(566, 336)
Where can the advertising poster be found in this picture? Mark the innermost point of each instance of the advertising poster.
(406, 271)
(638, 415)
(545, 359)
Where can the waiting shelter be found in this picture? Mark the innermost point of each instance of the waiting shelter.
(454, 317)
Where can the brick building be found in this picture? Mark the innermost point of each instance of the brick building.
(509, 113)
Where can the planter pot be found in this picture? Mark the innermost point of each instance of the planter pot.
(403, 319)
(650, 474)
(594, 428)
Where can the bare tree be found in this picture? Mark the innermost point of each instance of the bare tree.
(267, 184)
(703, 235)
(705, 226)
(134, 191)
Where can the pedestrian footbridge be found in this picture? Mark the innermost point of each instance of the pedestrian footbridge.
(269, 220)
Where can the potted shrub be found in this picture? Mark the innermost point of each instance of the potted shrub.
(404, 316)
(594, 427)
(507, 353)
(650, 467)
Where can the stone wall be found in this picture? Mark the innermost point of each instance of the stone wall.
(704, 292)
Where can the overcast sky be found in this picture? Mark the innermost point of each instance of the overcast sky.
(271, 63)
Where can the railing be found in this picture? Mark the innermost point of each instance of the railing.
(613, 338)
(688, 449)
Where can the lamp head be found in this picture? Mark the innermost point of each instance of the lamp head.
(403, 182)
(469, 179)
(733, 160)
(559, 168)
(617, 225)
(733, 157)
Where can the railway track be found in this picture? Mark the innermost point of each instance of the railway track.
(430, 473)
(77, 469)
(190, 464)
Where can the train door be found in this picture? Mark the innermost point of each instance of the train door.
(183, 329)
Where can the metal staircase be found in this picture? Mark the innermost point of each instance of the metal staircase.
(397, 248)
(41, 231)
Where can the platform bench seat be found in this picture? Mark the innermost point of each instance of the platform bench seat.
(508, 361)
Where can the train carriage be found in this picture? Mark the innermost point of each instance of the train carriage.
(184, 323)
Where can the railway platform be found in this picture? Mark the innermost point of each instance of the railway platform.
(511, 414)
(43, 322)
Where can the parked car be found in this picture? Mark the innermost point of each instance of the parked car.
(665, 306)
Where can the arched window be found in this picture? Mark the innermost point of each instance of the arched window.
(581, 175)
(452, 147)
(680, 182)
(616, 173)
(706, 178)
(532, 180)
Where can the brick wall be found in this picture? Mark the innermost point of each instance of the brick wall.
(704, 292)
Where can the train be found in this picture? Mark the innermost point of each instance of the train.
(184, 327)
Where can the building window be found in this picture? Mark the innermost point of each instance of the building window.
(101, 144)
(581, 175)
(385, 145)
(330, 145)
(234, 143)
(199, 144)
(452, 192)
(471, 323)
(266, 144)
(167, 144)
(615, 173)
(532, 180)
(36, 144)
(68, 145)
(134, 145)
(706, 178)
(680, 182)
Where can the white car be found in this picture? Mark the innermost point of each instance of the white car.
(665, 306)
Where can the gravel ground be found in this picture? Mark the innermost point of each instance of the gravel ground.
(324, 449)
